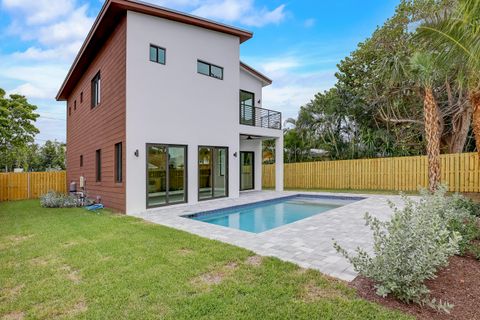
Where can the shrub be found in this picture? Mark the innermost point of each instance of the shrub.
(410, 248)
(54, 199)
(471, 206)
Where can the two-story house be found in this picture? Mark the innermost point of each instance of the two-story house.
(161, 111)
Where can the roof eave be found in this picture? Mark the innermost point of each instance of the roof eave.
(266, 81)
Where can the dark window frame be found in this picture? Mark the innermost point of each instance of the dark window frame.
(185, 178)
(253, 170)
(227, 171)
(96, 90)
(118, 167)
(98, 165)
(157, 48)
(210, 65)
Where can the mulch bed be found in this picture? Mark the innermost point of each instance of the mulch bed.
(458, 283)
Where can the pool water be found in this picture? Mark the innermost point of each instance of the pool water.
(266, 215)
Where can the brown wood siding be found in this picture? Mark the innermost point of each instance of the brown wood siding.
(103, 126)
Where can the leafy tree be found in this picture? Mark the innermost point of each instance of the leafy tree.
(17, 127)
(52, 156)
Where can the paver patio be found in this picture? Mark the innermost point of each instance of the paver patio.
(307, 242)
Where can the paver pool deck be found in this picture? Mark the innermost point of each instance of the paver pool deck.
(307, 242)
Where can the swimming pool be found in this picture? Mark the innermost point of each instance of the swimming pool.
(265, 215)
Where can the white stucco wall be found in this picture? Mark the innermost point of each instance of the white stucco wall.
(251, 84)
(173, 104)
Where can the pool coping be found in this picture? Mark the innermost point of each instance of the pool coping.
(215, 212)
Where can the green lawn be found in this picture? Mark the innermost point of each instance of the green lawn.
(70, 263)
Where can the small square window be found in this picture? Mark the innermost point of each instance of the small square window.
(157, 54)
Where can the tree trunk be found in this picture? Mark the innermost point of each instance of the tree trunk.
(432, 133)
(475, 101)
(461, 125)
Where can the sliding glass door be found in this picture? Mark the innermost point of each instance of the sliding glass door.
(166, 174)
(212, 172)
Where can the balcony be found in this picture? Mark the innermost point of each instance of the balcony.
(259, 117)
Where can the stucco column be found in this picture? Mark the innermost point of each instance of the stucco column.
(279, 163)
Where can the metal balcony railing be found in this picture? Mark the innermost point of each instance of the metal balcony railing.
(259, 117)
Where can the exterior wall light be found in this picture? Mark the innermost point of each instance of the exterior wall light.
(136, 153)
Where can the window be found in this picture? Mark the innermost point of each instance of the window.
(247, 110)
(118, 162)
(81, 160)
(157, 54)
(69, 111)
(81, 97)
(98, 165)
(75, 105)
(96, 90)
(209, 70)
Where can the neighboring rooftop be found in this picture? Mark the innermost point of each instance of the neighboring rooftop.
(111, 11)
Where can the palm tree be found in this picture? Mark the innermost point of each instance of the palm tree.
(425, 70)
(455, 35)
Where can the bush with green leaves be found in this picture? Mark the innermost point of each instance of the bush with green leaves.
(411, 247)
(54, 199)
(468, 204)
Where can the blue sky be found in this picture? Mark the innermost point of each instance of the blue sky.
(296, 43)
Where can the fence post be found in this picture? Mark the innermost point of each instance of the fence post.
(29, 195)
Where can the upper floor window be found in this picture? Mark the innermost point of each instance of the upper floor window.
(96, 90)
(75, 105)
(157, 54)
(209, 69)
(81, 97)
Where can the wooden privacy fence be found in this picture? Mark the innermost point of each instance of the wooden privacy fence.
(31, 185)
(460, 171)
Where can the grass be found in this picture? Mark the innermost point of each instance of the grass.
(70, 263)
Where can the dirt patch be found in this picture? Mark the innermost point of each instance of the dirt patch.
(13, 240)
(71, 274)
(216, 276)
(212, 277)
(231, 266)
(78, 308)
(313, 292)
(458, 283)
(16, 315)
(254, 260)
(11, 293)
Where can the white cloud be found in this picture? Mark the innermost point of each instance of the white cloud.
(280, 65)
(38, 11)
(70, 30)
